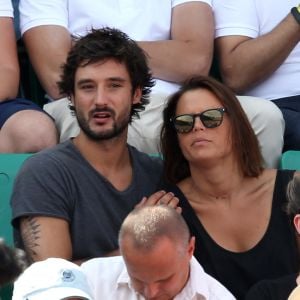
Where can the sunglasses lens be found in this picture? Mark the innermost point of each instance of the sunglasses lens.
(184, 123)
(212, 118)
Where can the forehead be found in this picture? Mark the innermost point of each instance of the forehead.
(197, 100)
(102, 70)
(150, 266)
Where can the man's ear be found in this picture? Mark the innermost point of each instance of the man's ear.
(137, 95)
(297, 223)
(191, 246)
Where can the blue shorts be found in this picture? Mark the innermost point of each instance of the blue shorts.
(9, 107)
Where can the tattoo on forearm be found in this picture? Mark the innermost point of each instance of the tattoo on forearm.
(30, 234)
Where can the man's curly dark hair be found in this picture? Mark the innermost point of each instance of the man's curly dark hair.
(108, 43)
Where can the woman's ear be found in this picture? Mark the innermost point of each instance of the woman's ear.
(297, 223)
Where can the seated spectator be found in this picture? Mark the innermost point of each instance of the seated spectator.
(70, 201)
(52, 279)
(156, 263)
(280, 288)
(232, 205)
(12, 263)
(180, 31)
(259, 53)
(24, 126)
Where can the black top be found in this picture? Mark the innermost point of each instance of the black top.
(276, 289)
(275, 255)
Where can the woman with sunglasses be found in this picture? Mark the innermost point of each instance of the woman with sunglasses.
(233, 206)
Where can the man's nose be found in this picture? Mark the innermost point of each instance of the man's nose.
(151, 290)
(101, 97)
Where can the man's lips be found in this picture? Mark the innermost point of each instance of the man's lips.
(101, 115)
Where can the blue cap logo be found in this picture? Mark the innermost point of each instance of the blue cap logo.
(68, 276)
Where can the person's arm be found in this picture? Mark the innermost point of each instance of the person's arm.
(48, 47)
(245, 61)
(9, 66)
(190, 50)
(45, 237)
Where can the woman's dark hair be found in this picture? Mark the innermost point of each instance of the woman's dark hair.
(293, 196)
(107, 43)
(244, 142)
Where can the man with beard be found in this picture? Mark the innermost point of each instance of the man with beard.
(70, 201)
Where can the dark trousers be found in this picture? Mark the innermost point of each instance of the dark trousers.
(290, 108)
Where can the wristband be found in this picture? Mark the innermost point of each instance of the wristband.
(295, 11)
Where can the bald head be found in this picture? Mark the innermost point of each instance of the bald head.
(144, 226)
(156, 247)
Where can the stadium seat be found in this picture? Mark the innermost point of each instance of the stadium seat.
(290, 160)
(10, 164)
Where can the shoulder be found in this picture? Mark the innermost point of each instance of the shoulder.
(102, 269)
(283, 177)
(57, 154)
(146, 161)
(59, 159)
(206, 284)
(275, 289)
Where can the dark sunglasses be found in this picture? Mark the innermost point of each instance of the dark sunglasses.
(210, 118)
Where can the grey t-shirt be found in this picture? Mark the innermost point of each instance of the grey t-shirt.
(59, 182)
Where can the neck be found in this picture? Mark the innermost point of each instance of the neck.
(219, 181)
(111, 153)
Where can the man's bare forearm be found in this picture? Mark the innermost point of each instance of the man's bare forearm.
(260, 56)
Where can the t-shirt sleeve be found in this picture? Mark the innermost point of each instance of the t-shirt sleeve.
(35, 13)
(6, 9)
(235, 18)
(42, 187)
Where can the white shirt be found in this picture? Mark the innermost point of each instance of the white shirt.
(254, 18)
(6, 9)
(142, 20)
(108, 279)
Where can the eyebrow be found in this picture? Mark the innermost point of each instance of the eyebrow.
(109, 79)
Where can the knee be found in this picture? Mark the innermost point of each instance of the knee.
(28, 131)
(263, 115)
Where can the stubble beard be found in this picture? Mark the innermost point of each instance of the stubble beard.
(116, 130)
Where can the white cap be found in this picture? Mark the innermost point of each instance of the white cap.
(51, 279)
